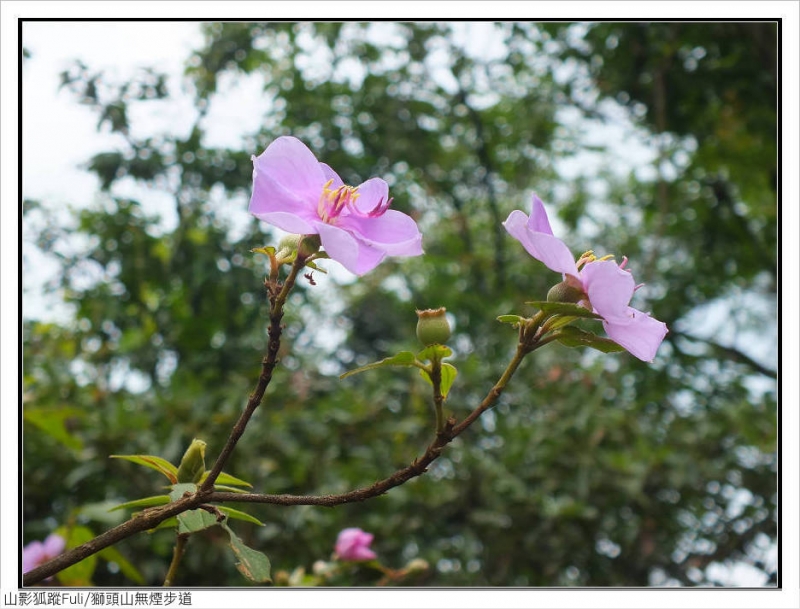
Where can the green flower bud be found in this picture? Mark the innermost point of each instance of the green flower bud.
(565, 292)
(193, 463)
(302, 245)
(432, 327)
(309, 245)
(288, 245)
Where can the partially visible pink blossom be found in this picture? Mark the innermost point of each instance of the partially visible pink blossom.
(353, 544)
(293, 191)
(606, 285)
(37, 553)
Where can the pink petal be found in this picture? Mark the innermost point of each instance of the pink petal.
(394, 233)
(609, 289)
(541, 245)
(288, 221)
(360, 553)
(288, 201)
(353, 544)
(288, 162)
(54, 545)
(32, 555)
(330, 174)
(371, 194)
(641, 336)
(538, 221)
(355, 255)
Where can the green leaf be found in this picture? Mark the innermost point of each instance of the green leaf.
(574, 337)
(239, 515)
(52, 421)
(111, 554)
(224, 478)
(404, 358)
(267, 250)
(142, 503)
(554, 323)
(310, 264)
(169, 523)
(79, 574)
(178, 490)
(253, 564)
(514, 320)
(193, 521)
(435, 352)
(230, 489)
(153, 462)
(449, 374)
(563, 308)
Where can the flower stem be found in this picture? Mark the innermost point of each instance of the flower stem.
(438, 399)
(177, 555)
(277, 296)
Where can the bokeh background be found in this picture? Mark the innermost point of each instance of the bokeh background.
(144, 311)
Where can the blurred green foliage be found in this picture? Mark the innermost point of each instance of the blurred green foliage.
(593, 469)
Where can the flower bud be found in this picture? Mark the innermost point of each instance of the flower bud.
(432, 327)
(309, 245)
(304, 246)
(287, 246)
(565, 292)
(193, 463)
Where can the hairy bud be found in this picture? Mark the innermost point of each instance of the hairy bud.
(433, 327)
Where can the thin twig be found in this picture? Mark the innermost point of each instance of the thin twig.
(177, 555)
(268, 366)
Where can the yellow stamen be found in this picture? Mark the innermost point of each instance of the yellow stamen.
(588, 256)
(332, 202)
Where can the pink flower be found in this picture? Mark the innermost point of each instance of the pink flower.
(353, 544)
(607, 287)
(37, 553)
(295, 192)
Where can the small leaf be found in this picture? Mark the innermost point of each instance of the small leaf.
(559, 321)
(142, 503)
(404, 358)
(169, 523)
(224, 478)
(574, 337)
(563, 308)
(253, 564)
(180, 489)
(239, 515)
(435, 351)
(193, 521)
(230, 489)
(153, 462)
(310, 264)
(448, 374)
(514, 320)
(267, 251)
